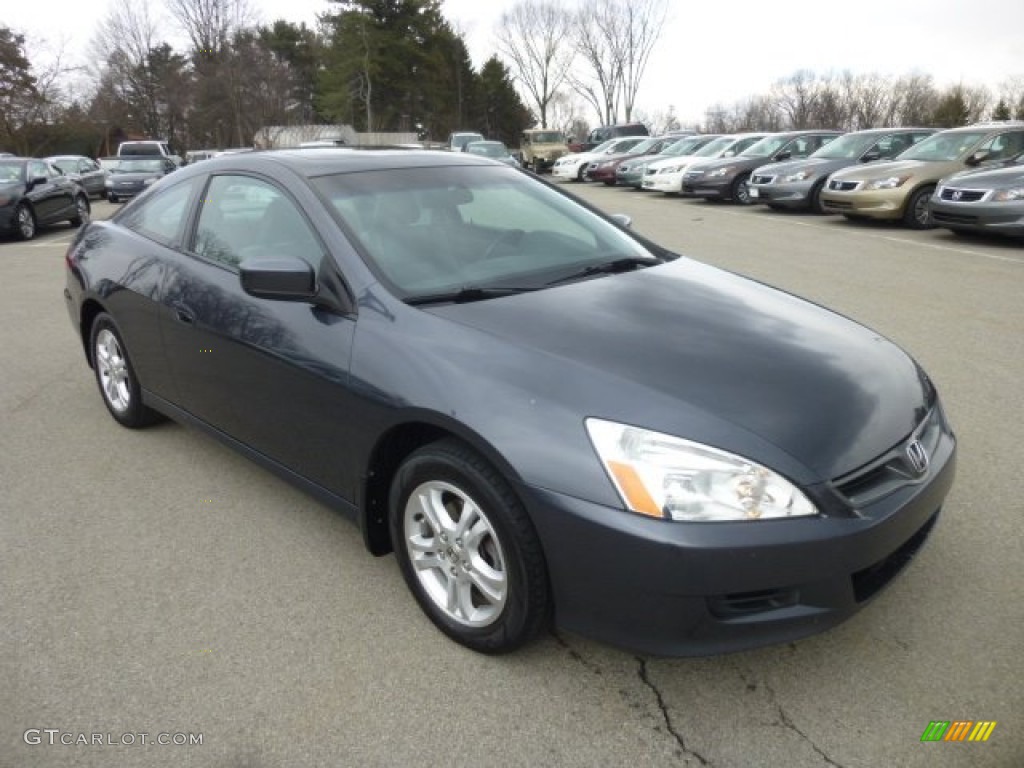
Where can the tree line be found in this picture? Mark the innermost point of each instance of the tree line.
(399, 65)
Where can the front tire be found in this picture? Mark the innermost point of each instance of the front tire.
(917, 215)
(467, 549)
(115, 376)
(24, 223)
(740, 190)
(817, 205)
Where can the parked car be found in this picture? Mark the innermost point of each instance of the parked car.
(34, 194)
(493, 149)
(129, 176)
(148, 148)
(989, 200)
(84, 170)
(460, 356)
(899, 189)
(539, 148)
(604, 168)
(728, 178)
(666, 175)
(630, 172)
(572, 167)
(457, 141)
(195, 155)
(605, 132)
(799, 183)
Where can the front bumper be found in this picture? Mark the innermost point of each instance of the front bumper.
(569, 172)
(786, 194)
(707, 186)
(874, 204)
(607, 175)
(669, 183)
(998, 218)
(691, 589)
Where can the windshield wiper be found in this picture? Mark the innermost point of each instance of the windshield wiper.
(624, 264)
(465, 294)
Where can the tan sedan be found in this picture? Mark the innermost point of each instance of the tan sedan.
(899, 189)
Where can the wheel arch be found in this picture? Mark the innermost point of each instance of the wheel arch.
(390, 450)
(91, 309)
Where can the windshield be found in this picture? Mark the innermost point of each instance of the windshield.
(944, 146)
(603, 146)
(10, 171)
(487, 149)
(435, 230)
(138, 166)
(849, 147)
(715, 147)
(766, 147)
(65, 164)
(549, 137)
(684, 146)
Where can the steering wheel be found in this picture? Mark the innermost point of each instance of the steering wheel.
(512, 235)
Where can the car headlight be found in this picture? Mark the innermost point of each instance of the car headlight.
(721, 171)
(800, 176)
(1008, 195)
(890, 183)
(675, 479)
(149, 181)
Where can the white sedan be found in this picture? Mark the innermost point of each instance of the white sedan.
(667, 175)
(572, 167)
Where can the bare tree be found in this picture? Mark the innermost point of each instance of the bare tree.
(614, 40)
(532, 37)
(210, 23)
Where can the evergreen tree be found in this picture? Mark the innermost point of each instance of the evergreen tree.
(504, 116)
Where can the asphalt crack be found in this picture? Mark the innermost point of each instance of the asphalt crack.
(576, 655)
(646, 680)
(784, 720)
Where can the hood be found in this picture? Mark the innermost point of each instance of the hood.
(736, 161)
(991, 178)
(140, 176)
(819, 164)
(683, 344)
(885, 168)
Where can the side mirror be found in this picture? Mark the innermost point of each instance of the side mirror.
(870, 157)
(976, 158)
(622, 220)
(286, 279)
(729, 153)
(783, 155)
(36, 181)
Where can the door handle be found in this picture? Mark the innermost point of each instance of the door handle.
(184, 314)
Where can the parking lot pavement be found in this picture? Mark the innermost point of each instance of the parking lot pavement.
(156, 583)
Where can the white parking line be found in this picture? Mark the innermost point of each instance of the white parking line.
(888, 238)
(63, 243)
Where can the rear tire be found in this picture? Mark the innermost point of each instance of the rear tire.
(82, 211)
(467, 549)
(115, 376)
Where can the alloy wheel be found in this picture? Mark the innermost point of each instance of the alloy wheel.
(455, 554)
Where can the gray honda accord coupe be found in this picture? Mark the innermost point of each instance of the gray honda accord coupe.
(547, 417)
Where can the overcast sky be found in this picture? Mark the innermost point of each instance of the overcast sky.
(708, 52)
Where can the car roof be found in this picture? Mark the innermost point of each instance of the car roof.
(312, 162)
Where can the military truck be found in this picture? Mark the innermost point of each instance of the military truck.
(540, 147)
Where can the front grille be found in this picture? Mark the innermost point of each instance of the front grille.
(745, 603)
(892, 470)
(868, 582)
(762, 179)
(839, 205)
(953, 218)
(843, 186)
(691, 175)
(962, 195)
